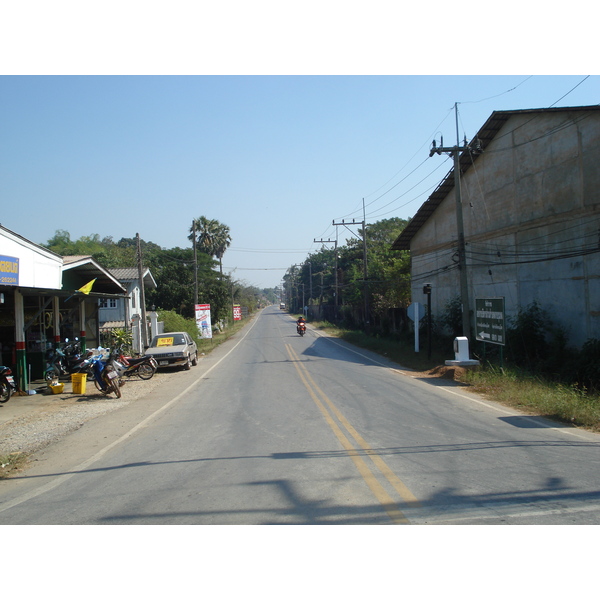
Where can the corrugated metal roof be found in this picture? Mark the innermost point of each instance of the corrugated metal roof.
(131, 274)
(128, 273)
(85, 268)
(484, 136)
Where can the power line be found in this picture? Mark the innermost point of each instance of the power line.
(269, 251)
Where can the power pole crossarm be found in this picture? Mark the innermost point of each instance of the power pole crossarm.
(362, 223)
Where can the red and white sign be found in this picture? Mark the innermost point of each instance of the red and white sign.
(237, 312)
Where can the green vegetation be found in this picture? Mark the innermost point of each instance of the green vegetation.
(11, 463)
(331, 281)
(535, 395)
(174, 270)
(175, 322)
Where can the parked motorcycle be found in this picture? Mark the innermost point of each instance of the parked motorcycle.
(7, 384)
(105, 373)
(144, 367)
(61, 362)
(301, 328)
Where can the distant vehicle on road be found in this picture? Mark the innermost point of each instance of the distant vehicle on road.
(174, 349)
(282, 305)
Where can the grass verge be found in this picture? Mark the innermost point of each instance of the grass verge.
(511, 387)
(12, 463)
(402, 353)
(205, 346)
(534, 395)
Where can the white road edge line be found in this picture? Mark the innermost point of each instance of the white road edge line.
(86, 464)
(465, 397)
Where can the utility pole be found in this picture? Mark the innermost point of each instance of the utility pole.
(336, 270)
(455, 152)
(144, 331)
(195, 263)
(310, 281)
(294, 282)
(365, 266)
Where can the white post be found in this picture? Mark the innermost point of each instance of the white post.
(417, 322)
(153, 323)
(136, 334)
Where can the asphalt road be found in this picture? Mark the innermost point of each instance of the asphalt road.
(272, 428)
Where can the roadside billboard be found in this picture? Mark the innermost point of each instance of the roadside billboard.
(237, 312)
(203, 320)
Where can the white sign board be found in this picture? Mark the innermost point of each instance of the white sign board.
(203, 320)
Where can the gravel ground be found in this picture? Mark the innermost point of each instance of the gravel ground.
(58, 415)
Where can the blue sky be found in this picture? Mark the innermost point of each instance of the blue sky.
(275, 157)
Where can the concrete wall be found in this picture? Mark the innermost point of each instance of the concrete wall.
(533, 194)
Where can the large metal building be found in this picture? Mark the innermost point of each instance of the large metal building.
(530, 200)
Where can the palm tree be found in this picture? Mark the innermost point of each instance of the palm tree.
(222, 241)
(212, 237)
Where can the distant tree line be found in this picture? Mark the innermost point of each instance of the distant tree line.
(173, 269)
(339, 285)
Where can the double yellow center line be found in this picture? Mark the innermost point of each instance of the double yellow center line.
(329, 410)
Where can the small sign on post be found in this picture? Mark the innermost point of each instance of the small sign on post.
(490, 320)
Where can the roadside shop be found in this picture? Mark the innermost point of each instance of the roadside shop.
(44, 300)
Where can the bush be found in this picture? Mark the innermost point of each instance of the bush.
(451, 318)
(589, 364)
(175, 322)
(526, 337)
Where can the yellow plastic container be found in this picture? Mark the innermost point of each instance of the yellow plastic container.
(78, 381)
(57, 388)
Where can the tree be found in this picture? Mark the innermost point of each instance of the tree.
(212, 238)
(222, 242)
(172, 269)
(388, 281)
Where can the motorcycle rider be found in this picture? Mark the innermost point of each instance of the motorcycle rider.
(299, 322)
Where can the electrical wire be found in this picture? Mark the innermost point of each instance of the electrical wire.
(375, 213)
(563, 256)
(268, 251)
(512, 89)
(359, 209)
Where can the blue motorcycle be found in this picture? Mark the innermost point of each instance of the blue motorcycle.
(106, 377)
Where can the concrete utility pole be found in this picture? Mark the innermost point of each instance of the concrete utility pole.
(336, 271)
(365, 266)
(455, 152)
(144, 331)
(195, 263)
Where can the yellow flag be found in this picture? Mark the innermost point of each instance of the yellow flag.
(87, 288)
